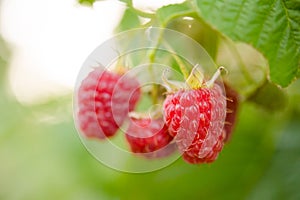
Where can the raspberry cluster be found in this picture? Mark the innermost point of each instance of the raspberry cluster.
(193, 119)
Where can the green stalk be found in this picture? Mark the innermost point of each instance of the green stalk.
(182, 67)
(139, 12)
(152, 55)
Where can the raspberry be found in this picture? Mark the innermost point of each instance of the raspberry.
(212, 156)
(149, 136)
(104, 100)
(196, 117)
(232, 107)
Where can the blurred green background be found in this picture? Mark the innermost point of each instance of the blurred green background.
(41, 156)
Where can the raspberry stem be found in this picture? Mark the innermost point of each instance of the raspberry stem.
(171, 86)
(182, 67)
(139, 12)
(152, 55)
(120, 66)
(216, 75)
(195, 79)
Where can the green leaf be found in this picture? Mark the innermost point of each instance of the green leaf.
(87, 2)
(271, 26)
(245, 74)
(169, 12)
(128, 2)
(270, 97)
(197, 29)
(129, 20)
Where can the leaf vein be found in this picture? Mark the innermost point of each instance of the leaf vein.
(237, 17)
(289, 24)
(263, 23)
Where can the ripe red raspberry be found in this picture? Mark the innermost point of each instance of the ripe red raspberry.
(211, 156)
(232, 109)
(196, 117)
(104, 100)
(150, 137)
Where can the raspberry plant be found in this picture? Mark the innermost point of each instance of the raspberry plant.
(225, 23)
(228, 31)
(40, 152)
